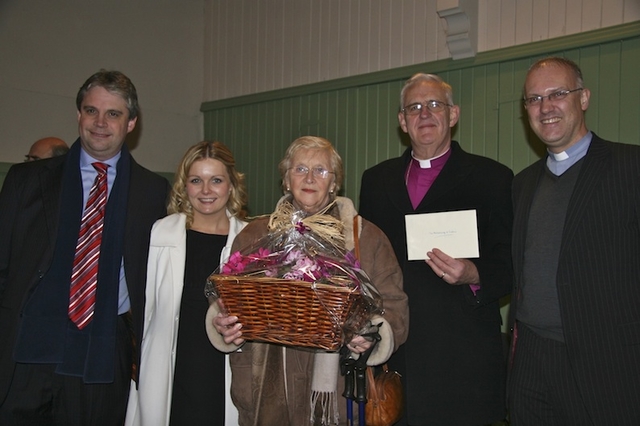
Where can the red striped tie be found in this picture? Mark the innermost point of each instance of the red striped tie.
(84, 277)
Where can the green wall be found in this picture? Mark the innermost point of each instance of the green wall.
(358, 114)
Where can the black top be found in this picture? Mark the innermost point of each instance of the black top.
(198, 385)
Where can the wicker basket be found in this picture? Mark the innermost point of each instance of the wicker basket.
(290, 312)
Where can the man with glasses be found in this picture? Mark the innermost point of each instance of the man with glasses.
(452, 364)
(46, 148)
(576, 257)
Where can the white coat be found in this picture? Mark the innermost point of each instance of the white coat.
(150, 401)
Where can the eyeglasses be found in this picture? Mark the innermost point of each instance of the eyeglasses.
(555, 96)
(28, 157)
(416, 109)
(319, 172)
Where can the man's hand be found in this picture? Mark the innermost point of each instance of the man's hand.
(453, 271)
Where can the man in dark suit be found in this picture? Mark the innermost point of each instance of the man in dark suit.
(54, 370)
(576, 257)
(452, 363)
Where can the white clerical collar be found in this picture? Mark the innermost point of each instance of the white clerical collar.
(426, 164)
(562, 161)
(561, 156)
(579, 149)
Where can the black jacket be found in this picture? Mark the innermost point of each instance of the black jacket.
(452, 363)
(29, 215)
(598, 277)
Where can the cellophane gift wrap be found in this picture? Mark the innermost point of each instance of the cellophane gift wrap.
(298, 285)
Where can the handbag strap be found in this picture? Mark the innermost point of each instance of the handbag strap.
(356, 236)
(371, 385)
(372, 390)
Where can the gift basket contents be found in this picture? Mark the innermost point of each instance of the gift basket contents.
(298, 285)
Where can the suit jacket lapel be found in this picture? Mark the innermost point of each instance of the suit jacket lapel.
(594, 165)
(521, 213)
(395, 184)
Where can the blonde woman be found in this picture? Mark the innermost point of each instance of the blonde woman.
(182, 378)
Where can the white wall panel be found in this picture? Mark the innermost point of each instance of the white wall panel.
(523, 22)
(592, 14)
(573, 16)
(613, 12)
(260, 45)
(488, 36)
(539, 19)
(557, 19)
(631, 10)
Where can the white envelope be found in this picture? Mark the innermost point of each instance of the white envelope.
(455, 233)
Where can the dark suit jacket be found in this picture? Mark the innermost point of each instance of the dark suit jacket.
(598, 276)
(452, 363)
(29, 212)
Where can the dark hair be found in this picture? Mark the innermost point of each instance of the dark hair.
(59, 150)
(114, 82)
(179, 202)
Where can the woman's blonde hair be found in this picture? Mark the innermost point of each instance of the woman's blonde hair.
(179, 202)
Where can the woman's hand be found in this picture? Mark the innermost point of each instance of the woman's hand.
(359, 344)
(228, 326)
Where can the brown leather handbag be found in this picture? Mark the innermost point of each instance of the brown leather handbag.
(384, 398)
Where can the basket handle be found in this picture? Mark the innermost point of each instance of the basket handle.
(356, 239)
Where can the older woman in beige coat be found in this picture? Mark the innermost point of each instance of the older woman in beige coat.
(272, 384)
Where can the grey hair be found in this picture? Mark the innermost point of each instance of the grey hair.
(419, 78)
